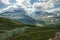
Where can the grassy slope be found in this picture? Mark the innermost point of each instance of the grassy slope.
(9, 24)
(37, 33)
(31, 33)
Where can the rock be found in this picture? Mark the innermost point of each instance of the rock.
(57, 36)
(51, 39)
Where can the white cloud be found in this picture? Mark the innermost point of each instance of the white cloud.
(53, 10)
(37, 6)
(44, 5)
(23, 3)
(19, 2)
(9, 8)
(29, 7)
(6, 2)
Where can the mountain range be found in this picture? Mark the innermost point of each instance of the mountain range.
(35, 18)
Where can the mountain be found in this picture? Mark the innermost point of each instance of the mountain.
(7, 24)
(15, 30)
(35, 18)
(13, 12)
(48, 17)
(19, 14)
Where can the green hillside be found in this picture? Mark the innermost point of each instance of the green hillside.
(14, 30)
(36, 33)
(9, 24)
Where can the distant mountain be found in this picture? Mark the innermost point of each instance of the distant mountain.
(20, 15)
(48, 17)
(15, 12)
(35, 18)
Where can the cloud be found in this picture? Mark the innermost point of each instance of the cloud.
(53, 10)
(19, 2)
(9, 8)
(44, 5)
(57, 1)
(41, 6)
(26, 4)
(6, 2)
(23, 3)
(48, 6)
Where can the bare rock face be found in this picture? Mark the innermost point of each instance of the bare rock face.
(57, 36)
(51, 39)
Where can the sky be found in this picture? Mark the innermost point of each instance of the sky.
(30, 5)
